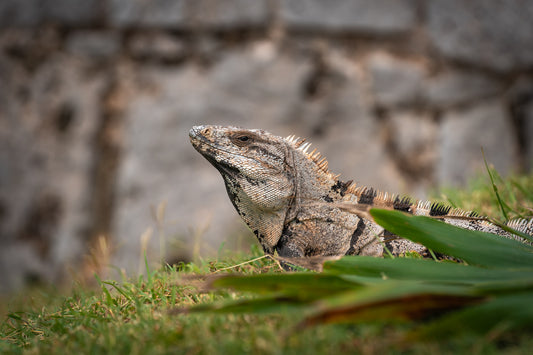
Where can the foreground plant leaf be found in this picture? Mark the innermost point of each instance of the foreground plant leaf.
(477, 248)
(422, 270)
(284, 291)
(268, 304)
(504, 313)
(394, 300)
(391, 300)
(413, 307)
(495, 288)
(303, 285)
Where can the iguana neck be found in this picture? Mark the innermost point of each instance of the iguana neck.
(312, 186)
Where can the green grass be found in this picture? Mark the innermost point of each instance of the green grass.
(170, 310)
(142, 316)
(516, 192)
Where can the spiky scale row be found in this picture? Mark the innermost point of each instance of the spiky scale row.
(382, 199)
(522, 225)
(295, 141)
(375, 197)
(314, 155)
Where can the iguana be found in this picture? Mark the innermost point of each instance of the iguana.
(296, 207)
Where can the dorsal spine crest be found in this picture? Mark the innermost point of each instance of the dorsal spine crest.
(315, 156)
(382, 199)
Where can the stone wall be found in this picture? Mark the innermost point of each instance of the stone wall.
(97, 97)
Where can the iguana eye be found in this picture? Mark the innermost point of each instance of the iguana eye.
(241, 140)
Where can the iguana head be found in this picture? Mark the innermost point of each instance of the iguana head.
(257, 172)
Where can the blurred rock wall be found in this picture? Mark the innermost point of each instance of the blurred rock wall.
(97, 97)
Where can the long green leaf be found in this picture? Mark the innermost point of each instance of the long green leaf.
(478, 248)
(389, 300)
(503, 206)
(504, 286)
(304, 285)
(421, 269)
(507, 312)
(390, 290)
(398, 300)
(268, 304)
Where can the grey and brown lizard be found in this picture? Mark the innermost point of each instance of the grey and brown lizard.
(298, 208)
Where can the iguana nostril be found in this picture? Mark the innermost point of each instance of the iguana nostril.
(195, 131)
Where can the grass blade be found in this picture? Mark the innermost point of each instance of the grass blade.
(495, 188)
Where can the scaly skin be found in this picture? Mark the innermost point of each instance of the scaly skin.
(297, 207)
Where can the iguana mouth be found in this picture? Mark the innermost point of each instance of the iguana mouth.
(223, 167)
(198, 140)
(208, 149)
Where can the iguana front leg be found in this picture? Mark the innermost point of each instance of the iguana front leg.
(316, 232)
(289, 247)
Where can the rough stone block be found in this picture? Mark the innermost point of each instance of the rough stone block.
(395, 82)
(157, 45)
(93, 44)
(229, 13)
(459, 87)
(354, 150)
(141, 13)
(20, 265)
(528, 122)
(20, 13)
(26, 13)
(414, 143)
(491, 33)
(381, 16)
(338, 121)
(72, 12)
(48, 121)
(519, 98)
(464, 133)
